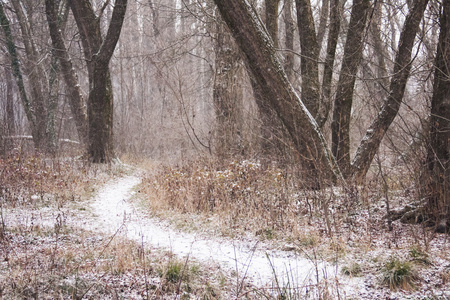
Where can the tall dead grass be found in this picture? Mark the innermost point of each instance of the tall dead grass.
(244, 194)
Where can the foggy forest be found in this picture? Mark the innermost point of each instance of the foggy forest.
(224, 149)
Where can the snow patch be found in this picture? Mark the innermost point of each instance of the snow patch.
(257, 264)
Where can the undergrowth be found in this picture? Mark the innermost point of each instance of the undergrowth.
(264, 199)
(35, 179)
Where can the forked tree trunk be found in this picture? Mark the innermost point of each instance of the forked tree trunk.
(266, 67)
(353, 49)
(402, 65)
(98, 53)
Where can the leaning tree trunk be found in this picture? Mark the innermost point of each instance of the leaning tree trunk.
(265, 65)
(371, 141)
(353, 49)
(60, 51)
(98, 53)
(438, 157)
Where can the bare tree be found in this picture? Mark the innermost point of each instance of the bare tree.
(438, 150)
(37, 126)
(310, 56)
(332, 41)
(267, 70)
(98, 52)
(289, 40)
(70, 77)
(353, 50)
(371, 141)
(227, 93)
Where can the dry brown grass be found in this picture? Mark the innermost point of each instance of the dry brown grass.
(40, 263)
(246, 196)
(45, 255)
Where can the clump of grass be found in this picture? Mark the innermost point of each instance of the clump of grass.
(353, 269)
(398, 274)
(418, 256)
(174, 271)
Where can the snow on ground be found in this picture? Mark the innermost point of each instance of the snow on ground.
(116, 212)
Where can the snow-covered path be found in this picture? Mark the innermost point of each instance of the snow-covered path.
(115, 211)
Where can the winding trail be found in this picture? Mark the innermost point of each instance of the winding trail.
(115, 212)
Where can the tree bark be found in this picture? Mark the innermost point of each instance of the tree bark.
(76, 100)
(438, 150)
(322, 23)
(333, 35)
(10, 118)
(16, 71)
(272, 20)
(353, 49)
(36, 76)
(265, 65)
(371, 141)
(98, 52)
(227, 94)
(155, 18)
(310, 56)
(289, 40)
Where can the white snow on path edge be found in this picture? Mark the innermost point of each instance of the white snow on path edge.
(115, 211)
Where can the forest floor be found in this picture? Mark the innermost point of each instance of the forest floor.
(106, 244)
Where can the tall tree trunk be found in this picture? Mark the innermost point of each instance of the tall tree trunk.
(76, 100)
(322, 23)
(155, 17)
(265, 65)
(16, 71)
(227, 94)
(379, 49)
(333, 35)
(272, 20)
(438, 152)
(273, 133)
(310, 56)
(36, 76)
(371, 141)
(353, 49)
(98, 53)
(10, 118)
(289, 40)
